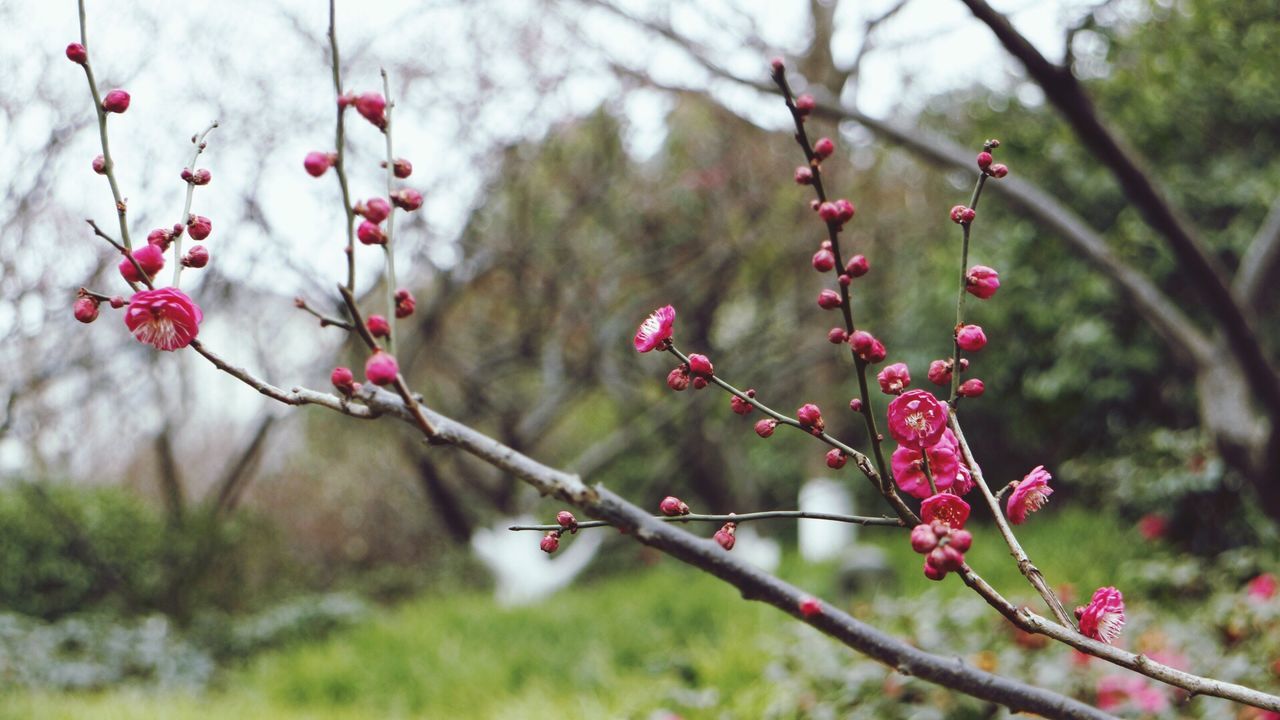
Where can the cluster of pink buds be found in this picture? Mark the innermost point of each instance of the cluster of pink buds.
(986, 163)
(867, 347)
(199, 176)
(810, 417)
(568, 524)
(740, 406)
(942, 545)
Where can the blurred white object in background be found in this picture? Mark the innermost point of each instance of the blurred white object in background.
(763, 552)
(522, 573)
(822, 540)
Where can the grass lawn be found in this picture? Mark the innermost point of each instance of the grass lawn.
(663, 638)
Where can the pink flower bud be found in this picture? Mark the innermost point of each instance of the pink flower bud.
(940, 372)
(197, 257)
(946, 558)
(725, 536)
(116, 101)
(407, 199)
(972, 387)
(836, 335)
(378, 326)
(375, 210)
(149, 257)
(566, 520)
(856, 405)
(811, 417)
(160, 237)
(804, 175)
(344, 380)
(185, 174)
(857, 266)
(405, 304)
(824, 148)
(961, 214)
(117, 302)
(370, 234)
(201, 177)
(777, 64)
(970, 338)
(402, 168)
(672, 506)
(199, 227)
(100, 165)
(85, 308)
(894, 379)
(998, 171)
(824, 260)
(933, 573)
(678, 379)
(317, 163)
(877, 352)
(981, 281)
(698, 382)
(77, 54)
(805, 104)
(922, 539)
(861, 342)
(381, 368)
(836, 459)
(550, 542)
(829, 212)
(829, 299)
(810, 607)
(700, 365)
(961, 540)
(740, 406)
(984, 160)
(372, 106)
(765, 427)
(846, 210)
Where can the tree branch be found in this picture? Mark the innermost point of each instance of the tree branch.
(1260, 260)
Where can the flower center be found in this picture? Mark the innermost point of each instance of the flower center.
(917, 421)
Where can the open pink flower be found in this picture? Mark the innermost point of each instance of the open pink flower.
(917, 419)
(945, 464)
(1262, 587)
(1030, 495)
(656, 329)
(1103, 618)
(165, 318)
(945, 508)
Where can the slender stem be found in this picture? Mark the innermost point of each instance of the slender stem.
(108, 164)
(388, 248)
(928, 474)
(339, 165)
(198, 141)
(1028, 570)
(859, 459)
(884, 480)
(738, 518)
(964, 266)
(100, 297)
(325, 320)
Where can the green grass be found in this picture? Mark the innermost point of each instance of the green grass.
(624, 646)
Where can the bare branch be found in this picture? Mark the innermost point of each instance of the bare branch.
(1260, 260)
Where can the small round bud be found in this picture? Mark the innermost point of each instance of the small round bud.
(877, 352)
(149, 257)
(810, 607)
(940, 372)
(824, 148)
(810, 416)
(836, 459)
(378, 326)
(381, 368)
(813, 205)
(777, 64)
(117, 302)
(804, 175)
(844, 279)
(77, 54)
(550, 542)
(700, 365)
(372, 107)
(85, 309)
(116, 101)
(829, 299)
(405, 304)
(961, 214)
(933, 573)
(317, 163)
(765, 427)
(740, 406)
(981, 281)
(344, 380)
(699, 382)
(971, 338)
(857, 266)
(846, 210)
(678, 379)
(402, 168)
(856, 405)
(566, 520)
(370, 234)
(836, 335)
(894, 379)
(999, 170)
(984, 160)
(923, 539)
(805, 104)
(196, 257)
(960, 540)
(824, 260)
(100, 165)
(672, 506)
(160, 237)
(199, 227)
(407, 199)
(201, 177)
(725, 536)
(973, 387)
(375, 210)
(861, 342)
(829, 212)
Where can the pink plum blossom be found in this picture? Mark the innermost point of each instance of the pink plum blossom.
(165, 318)
(655, 330)
(945, 508)
(945, 464)
(1103, 618)
(917, 419)
(1030, 495)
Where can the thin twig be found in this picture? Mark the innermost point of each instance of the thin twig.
(965, 228)
(199, 142)
(387, 247)
(339, 165)
(738, 518)
(325, 320)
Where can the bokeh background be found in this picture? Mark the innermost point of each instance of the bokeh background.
(174, 545)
